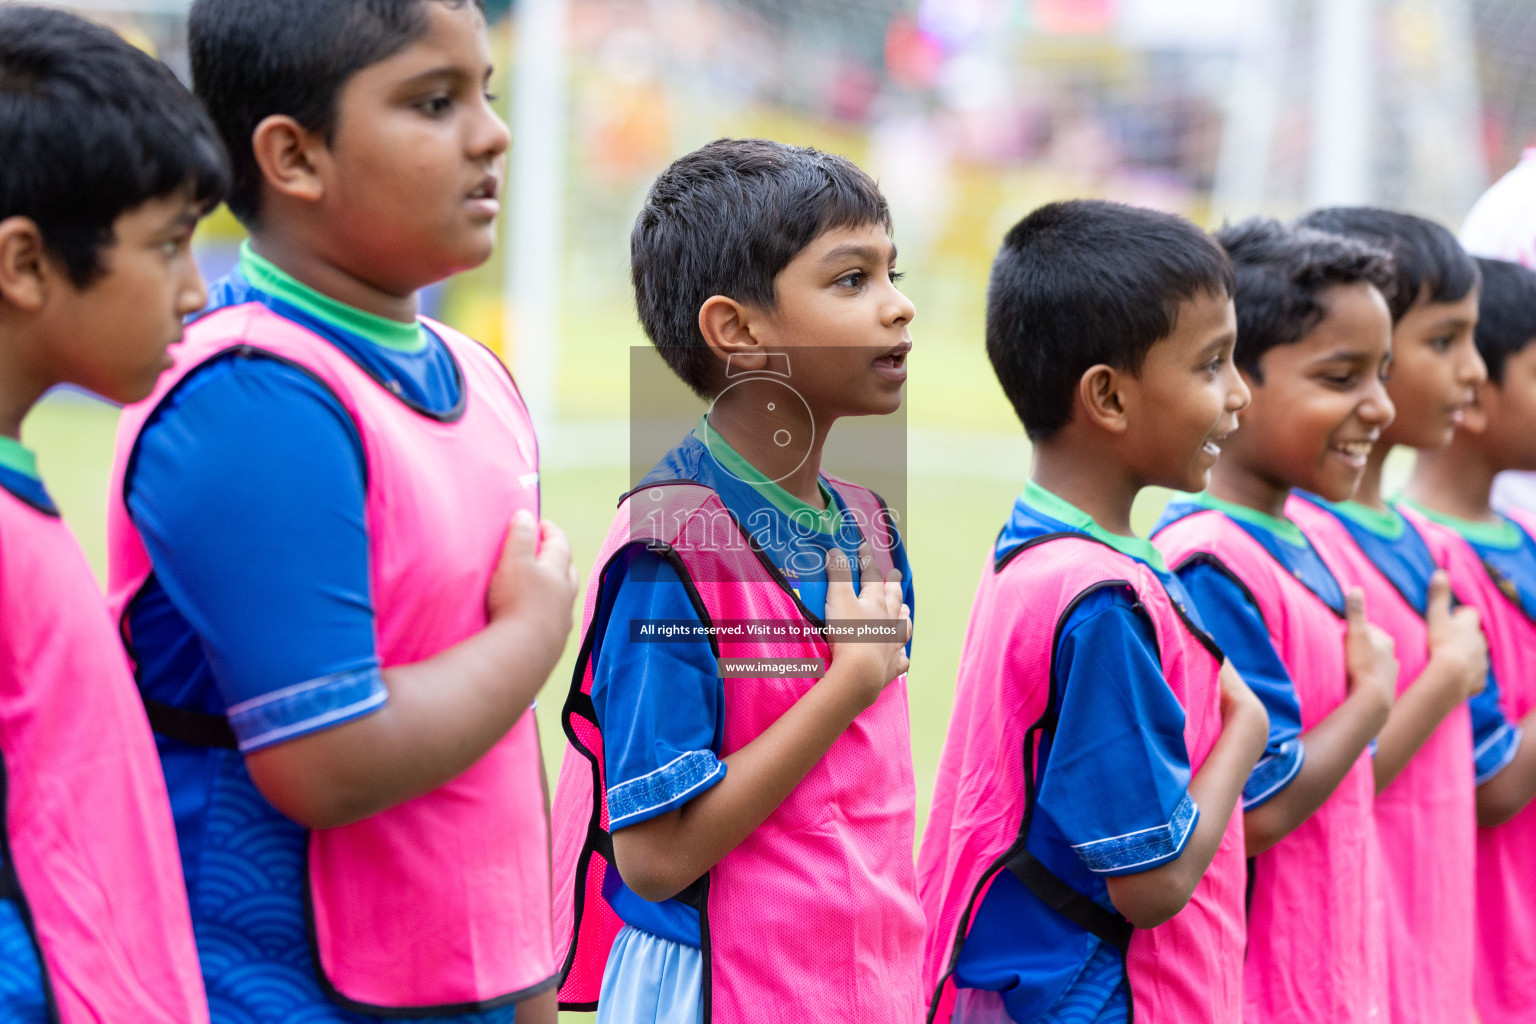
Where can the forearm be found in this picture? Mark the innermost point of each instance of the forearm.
(442, 715)
(660, 857)
(1333, 746)
(1509, 791)
(1150, 898)
(1415, 716)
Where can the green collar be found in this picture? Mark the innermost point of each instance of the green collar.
(261, 273)
(1042, 500)
(1387, 525)
(18, 458)
(823, 520)
(1503, 534)
(1282, 528)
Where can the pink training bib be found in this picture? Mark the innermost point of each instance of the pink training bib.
(1425, 819)
(1316, 942)
(1187, 971)
(814, 917)
(440, 904)
(1505, 973)
(85, 811)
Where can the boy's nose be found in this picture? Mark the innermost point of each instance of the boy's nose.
(1473, 370)
(1377, 408)
(492, 137)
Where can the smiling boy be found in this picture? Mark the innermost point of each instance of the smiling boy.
(1313, 343)
(109, 165)
(337, 634)
(735, 847)
(1424, 763)
(1083, 861)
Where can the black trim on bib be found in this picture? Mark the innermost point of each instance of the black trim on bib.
(1046, 886)
(599, 842)
(10, 889)
(402, 1012)
(194, 728)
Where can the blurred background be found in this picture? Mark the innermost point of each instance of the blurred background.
(970, 113)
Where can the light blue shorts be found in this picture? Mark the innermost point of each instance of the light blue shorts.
(651, 980)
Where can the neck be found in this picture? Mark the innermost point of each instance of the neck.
(1234, 482)
(22, 384)
(751, 435)
(1106, 498)
(1369, 491)
(312, 269)
(1455, 481)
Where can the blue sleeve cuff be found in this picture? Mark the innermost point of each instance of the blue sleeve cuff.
(307, 707)
(1273, 773)
(1142, 850)
(1494, 753)
(666, 788)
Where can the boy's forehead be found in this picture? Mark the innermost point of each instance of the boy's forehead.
(863, 240)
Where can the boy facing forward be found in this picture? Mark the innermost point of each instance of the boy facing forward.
(731, 846)
(337, 635)
(1083, 861)
(108, 165)
(1313, 343)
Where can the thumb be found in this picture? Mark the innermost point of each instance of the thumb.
(522, 536)
(1439, 595)
(1354, 610)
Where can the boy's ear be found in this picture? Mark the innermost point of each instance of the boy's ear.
(286, 152)
(24, 266)
(1100, 392)
(727, 329)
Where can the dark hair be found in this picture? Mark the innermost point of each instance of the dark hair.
(1426, 256)
(91, 128)
(1280, 273)
(1506, 313)
(725, 220)
(255, 58)
(1084, 282)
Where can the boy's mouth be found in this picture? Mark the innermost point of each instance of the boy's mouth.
(483, 197)
(1355, 453)
(892, 364)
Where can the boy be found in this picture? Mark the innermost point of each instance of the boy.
(1491, 559)
(1313, 342)
(734, 846)
(337, 634)
(1423, 764)
(1122, 896)
(109, 164)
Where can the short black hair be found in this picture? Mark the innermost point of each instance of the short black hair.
(255, 58)
(1084, 282)
(1427, 258)
(91, 128)
(1281, 271)
(1506, 313)
(725, 220)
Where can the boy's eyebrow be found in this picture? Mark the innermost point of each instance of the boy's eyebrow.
(867, 253)
(447, 71)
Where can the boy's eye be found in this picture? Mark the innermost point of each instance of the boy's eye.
(853, 279)
(435, 105)
(1442, 343)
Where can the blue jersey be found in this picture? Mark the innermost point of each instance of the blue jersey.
(661, 706)
(267, 618)
(1112, 799)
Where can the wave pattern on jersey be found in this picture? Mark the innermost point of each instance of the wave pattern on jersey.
(248, 912)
